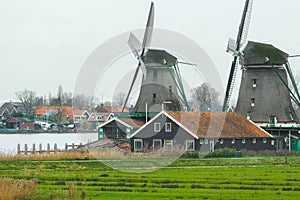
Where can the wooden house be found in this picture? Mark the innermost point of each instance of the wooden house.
(20, 123)
(205, 131)
(191, 131)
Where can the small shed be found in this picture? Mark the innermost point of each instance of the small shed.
(20, 123)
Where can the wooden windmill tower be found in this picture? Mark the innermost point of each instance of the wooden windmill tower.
(161, 83)
(264, 95)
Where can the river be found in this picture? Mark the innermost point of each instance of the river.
(9, 142)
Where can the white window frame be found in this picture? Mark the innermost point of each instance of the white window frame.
(166, 127)
(264, 140)
(156, 140)
(252, 102)
(221, 141)
(254, 140)
(205, 141)
(272, 142)
(156, 124)
(254, 83)
(128, 131)
(171, 146)
(134, 144)
(201, 141)
(233, 141)
(243, 141)
(248, 115)
(193, 145)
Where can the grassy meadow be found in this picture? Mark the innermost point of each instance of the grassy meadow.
(271, 177)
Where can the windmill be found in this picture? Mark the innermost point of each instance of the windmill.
(161, 78)
(234, 47)
(264, 94)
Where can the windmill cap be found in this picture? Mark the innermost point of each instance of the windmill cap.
(255, 54)
(159, 57)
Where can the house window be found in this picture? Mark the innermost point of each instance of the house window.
(201, 141)
(117, 133)
(272, 142)
(170, 88)
(100, 135)
(154, 98)
(265, 140)
(254, 140)
(243, 140)
(248, 115)
(221, 141)
(156, 127)
(138, 144)
(272, 120)
(168, 127)
(232, 141)
(154, 75)
(156, 144)
(254, 83)
(252, 102)
(190, 145)
(206, 141)
(128, 133)
(168, 144)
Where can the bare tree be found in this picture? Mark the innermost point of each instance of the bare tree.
(119, 99)
(28, 99)
(207, 97)
(85, 102)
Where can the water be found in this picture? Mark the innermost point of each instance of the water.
(9, 142)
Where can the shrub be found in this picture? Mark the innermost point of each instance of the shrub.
(222, 153)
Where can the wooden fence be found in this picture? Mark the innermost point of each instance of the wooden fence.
(40, 150)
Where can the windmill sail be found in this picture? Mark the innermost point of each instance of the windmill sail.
(146, 42)
(241, 38)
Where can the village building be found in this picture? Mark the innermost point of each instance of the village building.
(191, 131)
(10, 109)
(21, 123)
(54, 113)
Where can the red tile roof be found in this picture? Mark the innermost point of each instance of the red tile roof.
(66, 110)
(218, 124)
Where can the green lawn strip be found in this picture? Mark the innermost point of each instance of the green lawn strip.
(229, 180)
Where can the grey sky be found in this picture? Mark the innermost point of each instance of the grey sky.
(44, 43)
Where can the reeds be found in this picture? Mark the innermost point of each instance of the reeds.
(12, 189)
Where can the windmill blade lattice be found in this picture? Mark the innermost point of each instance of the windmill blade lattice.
(242, 37)
(146, 43)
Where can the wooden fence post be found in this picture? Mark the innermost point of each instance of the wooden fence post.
(55, 148)
(18, 149)
(33, 148)
(25, 149)
(48, 148)
(41, 148)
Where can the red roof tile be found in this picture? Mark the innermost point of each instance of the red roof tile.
(216, 124)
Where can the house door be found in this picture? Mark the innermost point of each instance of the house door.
(211, 145)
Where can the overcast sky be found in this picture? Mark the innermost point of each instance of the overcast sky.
(43, 44)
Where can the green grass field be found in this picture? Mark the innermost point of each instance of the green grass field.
(244, 178)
